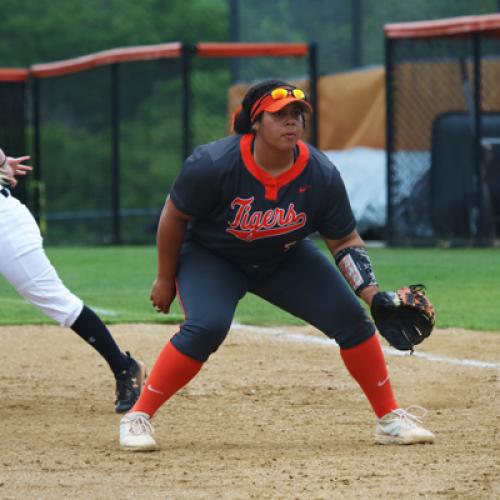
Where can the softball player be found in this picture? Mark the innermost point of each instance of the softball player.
(26, 267)
(237, 221)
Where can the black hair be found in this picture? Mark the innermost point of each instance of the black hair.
(242, 122)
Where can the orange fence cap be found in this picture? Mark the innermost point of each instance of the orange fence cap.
(443, 27)
(139, 53)
(244, 49)
(13, 74)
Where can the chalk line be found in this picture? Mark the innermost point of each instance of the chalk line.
(281, 334)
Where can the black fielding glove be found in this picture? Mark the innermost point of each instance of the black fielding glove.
(405, 318)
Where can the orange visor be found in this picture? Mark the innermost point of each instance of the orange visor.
(277, 99)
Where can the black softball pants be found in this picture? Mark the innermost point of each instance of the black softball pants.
(304, 283)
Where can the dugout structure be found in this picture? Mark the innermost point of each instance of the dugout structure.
(108, 132)
(443, 131)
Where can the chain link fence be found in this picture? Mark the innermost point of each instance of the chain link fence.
(110, 131)
(349, 33)
(107, 148)
(443, 124)
(13, 115)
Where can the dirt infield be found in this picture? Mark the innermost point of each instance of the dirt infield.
(270, 416)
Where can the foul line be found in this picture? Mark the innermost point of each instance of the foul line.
(104, 312)
(308, 339)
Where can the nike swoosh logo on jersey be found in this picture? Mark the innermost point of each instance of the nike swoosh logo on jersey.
(303, 189)
(383, 382)
(152, 389)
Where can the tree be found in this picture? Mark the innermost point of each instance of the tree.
(50, 30)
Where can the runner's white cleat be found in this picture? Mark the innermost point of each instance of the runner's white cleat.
(401, 427)
(136, 432)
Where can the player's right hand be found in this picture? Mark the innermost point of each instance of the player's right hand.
(162, 294)
(14, 167)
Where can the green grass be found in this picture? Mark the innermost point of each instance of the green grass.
(116, 281)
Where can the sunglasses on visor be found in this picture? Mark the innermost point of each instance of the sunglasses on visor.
(281, 93)
(276, 95)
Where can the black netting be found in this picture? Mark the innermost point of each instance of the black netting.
(12, 123)
(150, 143)
(208, 110)
(348, 32)
(13, 113)
(113, 139)
(75, 158)
(490, 102)
(434, 161)
(81, 188)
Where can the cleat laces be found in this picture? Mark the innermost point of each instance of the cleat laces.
(140, 425)
(410, 419)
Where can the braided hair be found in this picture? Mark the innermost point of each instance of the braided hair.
(242, 123)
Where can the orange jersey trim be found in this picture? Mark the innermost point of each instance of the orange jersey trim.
(271, 184)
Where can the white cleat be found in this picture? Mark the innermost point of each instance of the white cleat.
(136, 432)
(401, 427)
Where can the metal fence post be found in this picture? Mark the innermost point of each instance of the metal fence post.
(187, 52)
(484, 220)
(313, 91)
(389, 136)
(115, 154)
(37, 153)
(356, 32)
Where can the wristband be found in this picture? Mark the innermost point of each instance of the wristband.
(354, 264)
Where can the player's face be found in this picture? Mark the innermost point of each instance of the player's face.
(284, 128)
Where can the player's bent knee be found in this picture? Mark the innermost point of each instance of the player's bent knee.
(67, 316)
(200, 341)
(356, 331)
(355, 339)
(42, 287)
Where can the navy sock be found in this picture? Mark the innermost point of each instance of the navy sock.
(91, 329)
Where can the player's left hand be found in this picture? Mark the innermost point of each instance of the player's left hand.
(405, 317)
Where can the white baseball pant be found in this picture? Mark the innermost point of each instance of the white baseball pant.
(26, 267)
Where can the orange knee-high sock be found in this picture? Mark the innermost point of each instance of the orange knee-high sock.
(171, 371)
(366, 363)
